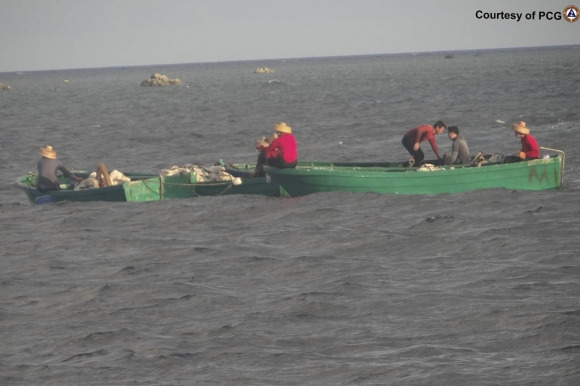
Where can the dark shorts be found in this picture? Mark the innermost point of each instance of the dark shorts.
(417, 154)
(45, 185)
(276, 162)
(280, 163)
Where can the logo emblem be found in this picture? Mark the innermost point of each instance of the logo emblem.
(571, 13)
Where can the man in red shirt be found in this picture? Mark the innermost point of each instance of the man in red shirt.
(413, 138)
(281, 152)
(530, 149)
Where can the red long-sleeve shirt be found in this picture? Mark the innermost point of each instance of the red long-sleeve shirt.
(424, 133)
(530, 146)
(283, 147)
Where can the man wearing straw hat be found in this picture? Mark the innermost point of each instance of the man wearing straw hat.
(47, 168)
(530, 149)
(281, 152)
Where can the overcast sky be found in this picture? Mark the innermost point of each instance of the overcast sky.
(63, 34)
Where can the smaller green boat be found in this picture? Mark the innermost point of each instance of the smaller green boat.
(27, 183)
(395, 178)
(186, 185)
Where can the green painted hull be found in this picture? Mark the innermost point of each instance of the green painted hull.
(172, 187)
(185, 186)
(391, 178)
(114, 193)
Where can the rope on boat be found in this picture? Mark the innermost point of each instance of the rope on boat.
(28, 195)
(28, 185)
(151, 189)
(205, 176)
(562, 155)
(192, 187)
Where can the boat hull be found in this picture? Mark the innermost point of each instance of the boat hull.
(174, 187)
(114, 193)
(319, 177)
(185, 186)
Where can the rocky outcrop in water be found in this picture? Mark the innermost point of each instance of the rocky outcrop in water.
(158, 80)
(264, 70)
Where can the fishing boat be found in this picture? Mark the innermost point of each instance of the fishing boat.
(187, 185)
(397, 178)
(67, 192)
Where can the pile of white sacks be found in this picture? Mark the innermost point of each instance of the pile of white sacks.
(91, 181)
(429, 168)
(203, 173)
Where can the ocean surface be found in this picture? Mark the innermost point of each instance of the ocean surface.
(478, 288)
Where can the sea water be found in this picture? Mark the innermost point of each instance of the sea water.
(477, 288)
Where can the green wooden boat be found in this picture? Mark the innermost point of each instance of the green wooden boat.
(27, 183)
(394, 178)
(164, 187)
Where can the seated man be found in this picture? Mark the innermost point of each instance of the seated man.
(280, 151)
(459, 148)
(47, 168)
(530, 148)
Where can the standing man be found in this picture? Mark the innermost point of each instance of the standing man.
(415, 136)
(458, 148)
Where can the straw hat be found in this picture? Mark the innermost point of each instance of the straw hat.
(282, 128)
(47, 152)
(520, 127)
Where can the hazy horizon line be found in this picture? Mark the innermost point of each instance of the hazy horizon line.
(297, 58)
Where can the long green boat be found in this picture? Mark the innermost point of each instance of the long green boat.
(395, 178)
